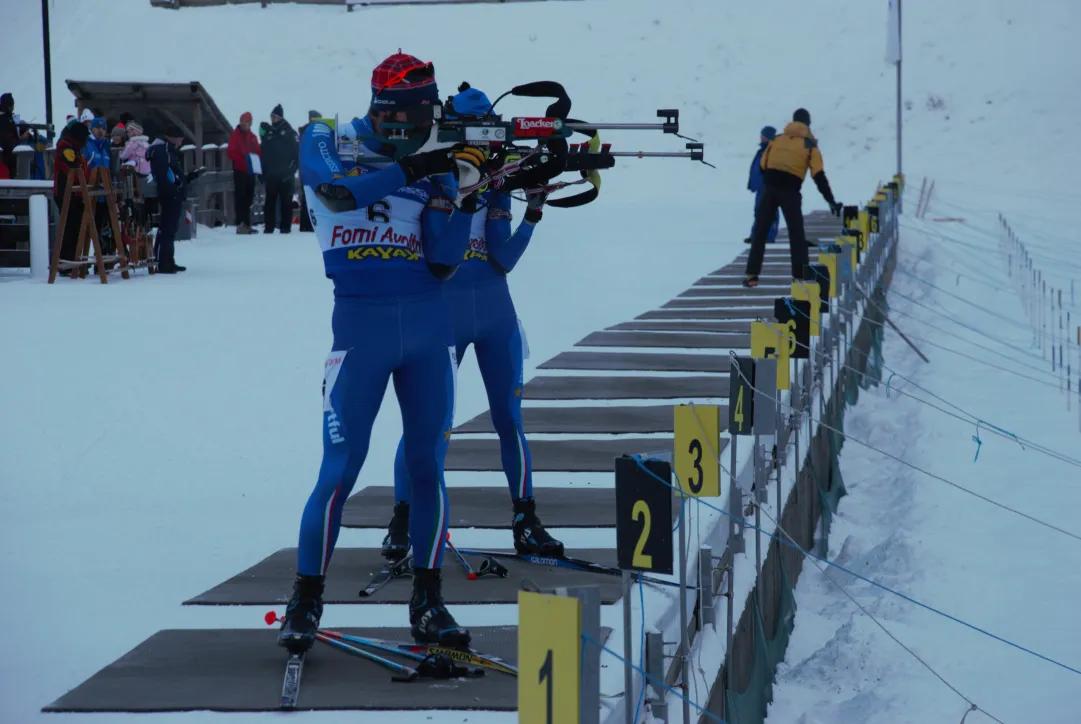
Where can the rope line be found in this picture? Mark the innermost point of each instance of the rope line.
(701, 501)
(917, 468)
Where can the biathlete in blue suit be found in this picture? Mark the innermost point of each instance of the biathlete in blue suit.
(390, 236)
(755, 182)
(484, 316)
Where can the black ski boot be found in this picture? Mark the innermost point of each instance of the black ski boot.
(431, 622)
(396, 542)
(302, 615)
(529, 533)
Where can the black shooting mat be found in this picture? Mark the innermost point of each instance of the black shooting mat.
(666, 340)
(242, 669)
(751, 298)
(625, 388)
(723, 294)
(552, 456)
(489, 507)
(758, 311)
(270, 581)
(734, 325)
(608, 420)
(637, 361)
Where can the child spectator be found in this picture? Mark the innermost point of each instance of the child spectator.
(69, 158)
(134, 151)
(96, 152)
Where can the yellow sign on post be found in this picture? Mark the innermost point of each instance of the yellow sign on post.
(865, 226)
(830, 261)
(549, 658)
(780, 340)
(696, 446)
(810, 292)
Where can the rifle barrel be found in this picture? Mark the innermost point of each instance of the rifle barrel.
(617, 126)
(653, 154)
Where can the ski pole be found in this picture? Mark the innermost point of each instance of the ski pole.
(574, 564)
(469, 572)
(424, 650)
(402, 673)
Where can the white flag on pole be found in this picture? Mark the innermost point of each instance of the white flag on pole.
(893, 32)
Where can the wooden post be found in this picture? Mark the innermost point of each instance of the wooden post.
(65, 206)
(114, 221)
(197, 117)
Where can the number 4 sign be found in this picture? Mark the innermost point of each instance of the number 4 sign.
(549, 658)
(697, 443)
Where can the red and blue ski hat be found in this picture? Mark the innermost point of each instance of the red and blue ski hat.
(402, 81)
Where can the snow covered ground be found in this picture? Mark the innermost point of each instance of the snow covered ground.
(984, 565)
(159, 435)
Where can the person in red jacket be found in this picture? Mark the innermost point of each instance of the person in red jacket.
(68, 159)
(243, 151)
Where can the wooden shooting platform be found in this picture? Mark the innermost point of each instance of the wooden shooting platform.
(241, 670)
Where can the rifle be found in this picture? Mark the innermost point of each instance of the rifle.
(527, 153)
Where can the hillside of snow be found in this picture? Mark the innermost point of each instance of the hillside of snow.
(159, 435)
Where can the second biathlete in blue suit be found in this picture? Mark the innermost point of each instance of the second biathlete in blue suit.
(484, 316)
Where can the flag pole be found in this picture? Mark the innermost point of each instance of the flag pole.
(899, 101)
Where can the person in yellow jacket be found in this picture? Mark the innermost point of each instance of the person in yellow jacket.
(785, 163)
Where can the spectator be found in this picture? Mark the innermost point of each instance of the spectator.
(244, 153)
(279, 158)
(86, 117)
(305, 220)
(134, 151)
(11, 134)
(172, 188)
(755, 185)
(785, 163)
(69, 159)
(96, 153)
(119, 134)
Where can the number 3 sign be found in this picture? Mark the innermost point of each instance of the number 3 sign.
(697, 443)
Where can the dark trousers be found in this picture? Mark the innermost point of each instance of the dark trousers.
(790, 202)
(69, 242)
(170, 221)
(279, 203)
(244, 194)
(305, 219)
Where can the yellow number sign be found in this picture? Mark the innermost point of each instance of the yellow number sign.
(810, 292)
(697, 443)
(830, 260)
(781, 340)
(549, 658)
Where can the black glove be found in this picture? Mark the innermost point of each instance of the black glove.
(836, 207)
(427, 164)
(469, 204)
(533, 207)
(336, 198)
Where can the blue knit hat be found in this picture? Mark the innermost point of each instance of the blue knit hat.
(98, 123)
(769, 132)
(468, 102)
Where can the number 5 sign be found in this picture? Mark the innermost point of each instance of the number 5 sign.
(697, 443)
(549, 658)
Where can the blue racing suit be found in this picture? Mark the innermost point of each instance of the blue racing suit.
(484, 316)
(756, 183)
(390, 321)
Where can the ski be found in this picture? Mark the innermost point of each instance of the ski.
(389, 571)
(294, 667)
(574, 564)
